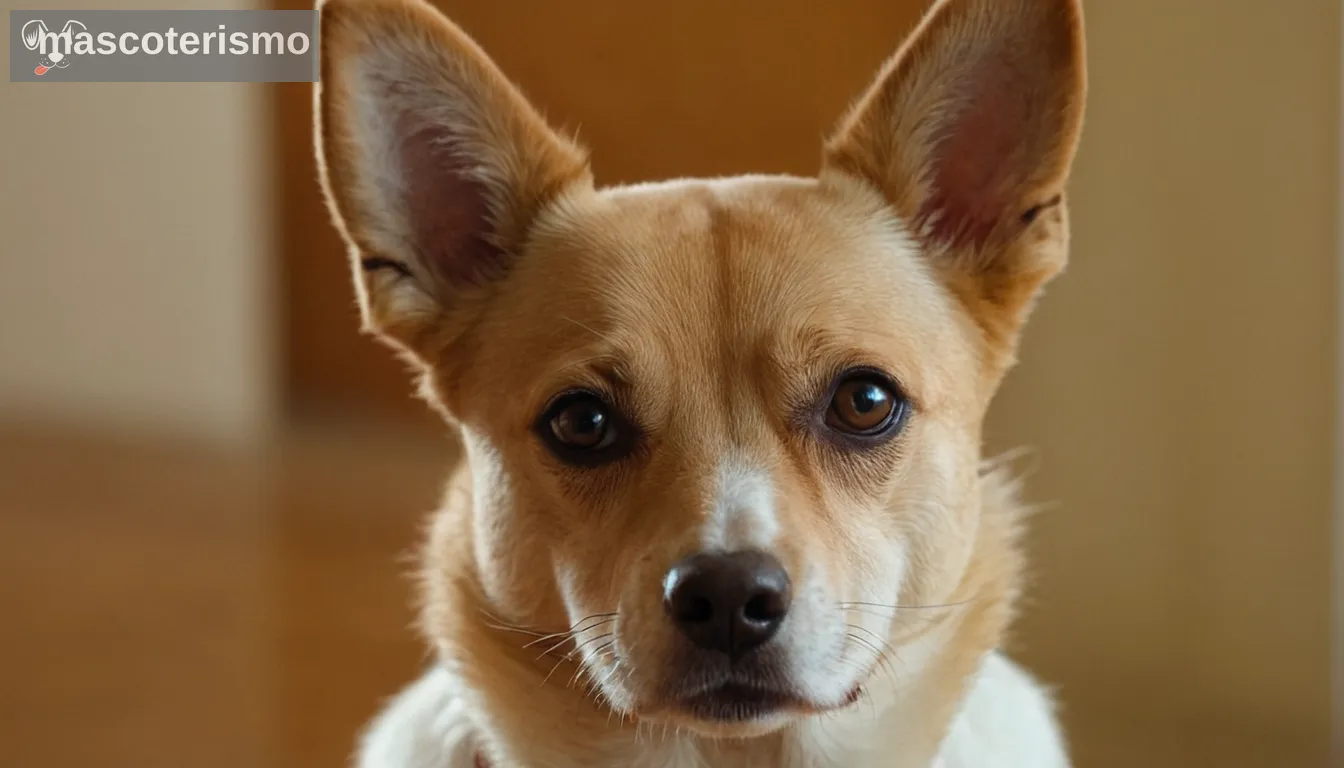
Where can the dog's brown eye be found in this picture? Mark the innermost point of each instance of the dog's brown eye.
(581, 428)
(864, 405)
(582, 424)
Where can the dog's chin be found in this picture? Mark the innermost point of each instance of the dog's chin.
(738, 711)
(705, 694)
(759, 725)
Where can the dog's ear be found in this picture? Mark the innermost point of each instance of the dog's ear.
(433, 164)
(969, 131)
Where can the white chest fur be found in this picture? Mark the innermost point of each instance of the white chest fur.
(1006, 721)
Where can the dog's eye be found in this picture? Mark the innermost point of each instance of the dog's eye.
(581, 428)
(583, 424)
(864, 405)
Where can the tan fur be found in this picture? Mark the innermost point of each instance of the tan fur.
(712, 313)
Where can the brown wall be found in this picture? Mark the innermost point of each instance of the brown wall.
(1178, 382)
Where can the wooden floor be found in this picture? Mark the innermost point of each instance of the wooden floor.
(162, 605)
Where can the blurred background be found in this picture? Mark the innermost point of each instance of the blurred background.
(209, 481)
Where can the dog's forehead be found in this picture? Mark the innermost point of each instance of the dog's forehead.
(753, 252)
(680, 272)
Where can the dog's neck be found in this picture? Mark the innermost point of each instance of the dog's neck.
(528, 712)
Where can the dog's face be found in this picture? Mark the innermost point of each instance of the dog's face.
(726, 432)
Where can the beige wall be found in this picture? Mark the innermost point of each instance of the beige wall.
(134, 262)
(1179, 382)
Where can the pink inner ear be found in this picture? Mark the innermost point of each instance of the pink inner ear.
(978, 160)
(447, 210)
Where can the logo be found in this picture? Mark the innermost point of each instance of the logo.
(163, 46)
(38, 37)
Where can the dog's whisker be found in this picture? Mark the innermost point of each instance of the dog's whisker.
(578, 628)
(597, 691)
(871, 612)
(863, 643)
(567, 636)
(566, 657)
(885, 646)
(507, 628)
(583, 667)
(900, 607)
(587, 642)
(495, 622)
(547, 678)
(882, 650)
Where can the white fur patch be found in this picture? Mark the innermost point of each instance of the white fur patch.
(424, 726)
(1006, 721)
(742, 513)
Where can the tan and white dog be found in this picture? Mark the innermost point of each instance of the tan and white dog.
(722, 501)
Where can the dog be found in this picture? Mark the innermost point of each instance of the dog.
(722, 501)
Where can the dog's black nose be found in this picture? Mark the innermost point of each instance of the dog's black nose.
(728, 602)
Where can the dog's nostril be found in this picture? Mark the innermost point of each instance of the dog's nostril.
(765, 607)
(731, 602)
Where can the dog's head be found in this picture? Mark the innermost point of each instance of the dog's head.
(721, 429)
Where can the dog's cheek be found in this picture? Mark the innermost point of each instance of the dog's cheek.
(510, 535)
(594, 581)
(512, 556)
(938, 513)
(582, 594)
(814, 640)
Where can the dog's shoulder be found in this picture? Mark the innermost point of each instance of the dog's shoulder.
(424, 726)
(1007, 721)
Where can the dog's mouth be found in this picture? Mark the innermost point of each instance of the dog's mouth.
(735, 702)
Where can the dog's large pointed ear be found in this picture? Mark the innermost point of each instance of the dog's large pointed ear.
(433, 163)
(969, 132)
